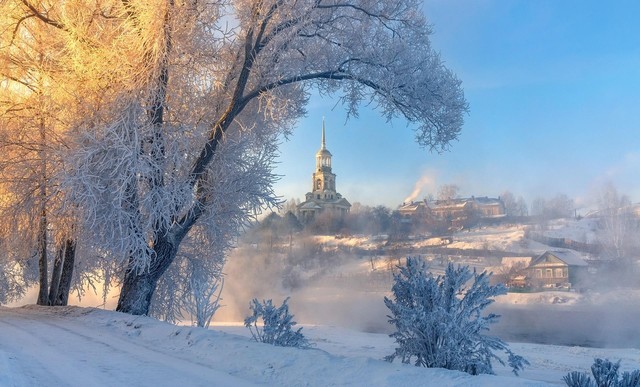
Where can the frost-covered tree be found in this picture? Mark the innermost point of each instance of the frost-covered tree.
(178, 79)
(63, 66)
(14, 275)
(522, 208)
(35, 112)
(620, 228)
(559, 206)
(439, 321)
(203, 277)
(513, 206)
(510, 204)
(273, 325)
(448, 192)
(191, 287)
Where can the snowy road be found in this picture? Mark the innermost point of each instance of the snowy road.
(49, 350)
(72, 346)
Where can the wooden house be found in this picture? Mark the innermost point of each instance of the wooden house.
(557, 269)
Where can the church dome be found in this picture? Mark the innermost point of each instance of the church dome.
(324, 152)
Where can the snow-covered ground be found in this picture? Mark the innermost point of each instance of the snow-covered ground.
(504, 237)
(73, 346)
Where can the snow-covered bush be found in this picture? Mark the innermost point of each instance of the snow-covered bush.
(605, 374)
(438, 319)
(276, 325)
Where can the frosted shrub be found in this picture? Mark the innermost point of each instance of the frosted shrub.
(276, 326)
(605, 374)
(438, 319)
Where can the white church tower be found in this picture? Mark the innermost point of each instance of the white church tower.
(323, 195)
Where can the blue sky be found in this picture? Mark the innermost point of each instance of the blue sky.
(554, 94)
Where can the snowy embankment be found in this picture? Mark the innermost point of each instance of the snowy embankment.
(73, 346)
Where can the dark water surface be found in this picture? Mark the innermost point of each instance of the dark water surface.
(613, 326)
(606, 326)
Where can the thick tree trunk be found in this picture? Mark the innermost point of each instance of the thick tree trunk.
(136, 293)
(138, 288)
(62, 273)
(64, 287)
(43, 293)
(55, 275)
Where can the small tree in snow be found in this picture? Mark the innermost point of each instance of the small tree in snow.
(605, 374)
(438, 319)
(276, 327)
(191, 287)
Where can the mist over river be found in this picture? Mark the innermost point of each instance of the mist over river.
(614, 325)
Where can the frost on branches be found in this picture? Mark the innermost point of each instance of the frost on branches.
(191, 287)
(175, 109)
(439, 322)
(276, 327)
(605, 374)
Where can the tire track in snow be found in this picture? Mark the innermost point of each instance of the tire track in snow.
(78, 355)
(17, 348)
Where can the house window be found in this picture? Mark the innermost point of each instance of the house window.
(548, 273)
(559, 273)
(538, 273)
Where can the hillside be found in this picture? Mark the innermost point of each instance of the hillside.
(342, 280)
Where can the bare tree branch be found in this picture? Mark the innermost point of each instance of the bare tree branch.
(43, 16)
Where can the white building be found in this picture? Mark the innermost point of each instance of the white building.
(323, 195)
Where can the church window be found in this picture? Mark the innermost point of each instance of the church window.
(318, 184)
(318, 196)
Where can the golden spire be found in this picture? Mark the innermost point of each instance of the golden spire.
(324, 145)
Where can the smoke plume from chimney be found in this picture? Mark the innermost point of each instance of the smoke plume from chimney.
(426, 181)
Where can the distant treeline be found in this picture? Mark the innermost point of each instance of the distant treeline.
(445, 251)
